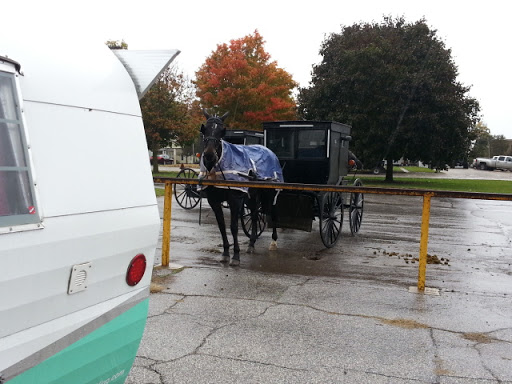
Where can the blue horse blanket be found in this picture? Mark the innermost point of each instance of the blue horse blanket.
(238, 160)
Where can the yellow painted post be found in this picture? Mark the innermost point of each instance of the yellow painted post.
(166, 235)
(425, 217)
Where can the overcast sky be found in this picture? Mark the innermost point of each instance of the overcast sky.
(476, 32)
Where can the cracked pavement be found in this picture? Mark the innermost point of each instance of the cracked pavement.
(344, 316)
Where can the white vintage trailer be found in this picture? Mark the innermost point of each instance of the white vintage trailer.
(79, 220)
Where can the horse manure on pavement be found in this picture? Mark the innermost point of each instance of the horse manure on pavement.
(409, 258)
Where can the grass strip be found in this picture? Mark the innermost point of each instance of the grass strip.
(460, 185)
(165, 174)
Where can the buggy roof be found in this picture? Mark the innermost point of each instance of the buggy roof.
(243, 132)
(298, 124)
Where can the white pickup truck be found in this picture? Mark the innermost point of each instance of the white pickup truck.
(497, 162)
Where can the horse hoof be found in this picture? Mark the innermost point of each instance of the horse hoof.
(273, 246)
(224, 259)
(250, 249)
(234, 263)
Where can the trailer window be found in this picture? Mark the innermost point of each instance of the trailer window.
(17, 206)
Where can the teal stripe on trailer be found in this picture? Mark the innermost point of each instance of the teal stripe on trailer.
(104, 356)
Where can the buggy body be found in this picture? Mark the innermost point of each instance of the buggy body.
(311, 152)
(314, 152)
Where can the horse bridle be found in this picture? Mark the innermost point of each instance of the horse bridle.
(216, 140)
(207, 139)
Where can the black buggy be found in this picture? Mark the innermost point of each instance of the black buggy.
(310, 152)
(315, 152)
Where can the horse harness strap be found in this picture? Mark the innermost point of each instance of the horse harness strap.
(222, 172)
(209, 138)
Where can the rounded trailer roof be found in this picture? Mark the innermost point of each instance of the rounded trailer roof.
(83, 74)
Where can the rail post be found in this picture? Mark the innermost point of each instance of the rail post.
(425, 218)
(166, 234)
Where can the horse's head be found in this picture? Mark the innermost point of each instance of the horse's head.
(213, 132)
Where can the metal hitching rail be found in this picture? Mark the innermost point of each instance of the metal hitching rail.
(425, 217)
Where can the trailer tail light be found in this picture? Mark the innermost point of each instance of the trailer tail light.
(351, 163)
(136, 270)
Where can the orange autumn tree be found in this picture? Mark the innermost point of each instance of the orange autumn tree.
(241, 79)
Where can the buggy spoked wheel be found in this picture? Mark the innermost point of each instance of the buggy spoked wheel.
(356, 209)
(331, 218)
(187, 195)
(247, 222)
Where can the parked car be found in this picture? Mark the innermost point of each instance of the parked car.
(162, 159)
(460, 164)
(497, 162)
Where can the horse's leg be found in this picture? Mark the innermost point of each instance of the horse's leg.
(273, 215)
(235, 206)
(252, 204)
(219, 215)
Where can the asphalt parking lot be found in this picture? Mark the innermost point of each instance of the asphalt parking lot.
(307, 314)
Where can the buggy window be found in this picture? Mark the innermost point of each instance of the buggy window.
(281, 142)
(17, 204)
(251, 140)
(312, 143)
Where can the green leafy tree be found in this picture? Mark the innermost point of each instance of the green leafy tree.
(395, 83)
(498, 145)
(508, 152)
(481, 146)
(117, 44)
(170, 112)
(488, 145)
(241, 79)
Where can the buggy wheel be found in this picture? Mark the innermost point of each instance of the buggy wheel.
(331, 217)
(356, 209)
(187, 195)
(246, 221)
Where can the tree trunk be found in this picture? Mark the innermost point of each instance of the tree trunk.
(154, 148)
(389, 170)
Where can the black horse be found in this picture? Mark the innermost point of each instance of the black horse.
(211, 168)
